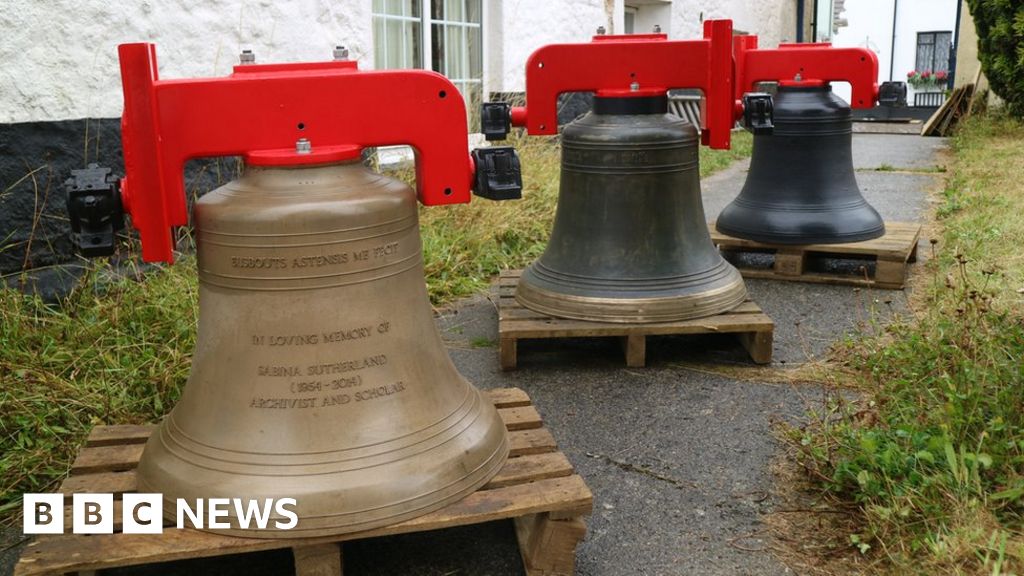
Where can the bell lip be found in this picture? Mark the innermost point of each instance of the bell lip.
(463, 488)
(800, 239)
(485, 420)
(634, 310)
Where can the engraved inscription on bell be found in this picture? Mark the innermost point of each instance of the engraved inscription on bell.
(318, 372)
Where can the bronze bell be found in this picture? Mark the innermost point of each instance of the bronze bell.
(318, 372)
(801, 187)
(630, 242)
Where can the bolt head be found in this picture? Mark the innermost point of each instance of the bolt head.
(247, 57)
(634, 87)
(601, 31)
(657, 29)
(340, 53)
(303, 146)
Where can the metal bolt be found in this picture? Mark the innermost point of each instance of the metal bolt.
(601, 31)
(340, 52)
(657, 28)
(302, 146)
(247, 57)
(634, 87)
(799, 77)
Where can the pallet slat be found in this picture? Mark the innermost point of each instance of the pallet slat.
(536, 482)
(747, 322)
(892, 253)
(94, 552)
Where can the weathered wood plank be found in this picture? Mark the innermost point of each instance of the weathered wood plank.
(892, 253)
(70, 552)
(120, 434)
(317, 560)
(112, 458)
(522, 418)
(566, 328)
(895, 242)
(531, 468)
(507, 397)
(548, 547)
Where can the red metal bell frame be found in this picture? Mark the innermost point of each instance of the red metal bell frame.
(653, 62)
(261, 110)
(815, 64)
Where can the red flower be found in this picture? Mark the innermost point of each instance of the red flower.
(941, 75)
(912, 73)
(926, 74)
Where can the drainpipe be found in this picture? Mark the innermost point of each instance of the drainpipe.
(892, 45)
(800, 20)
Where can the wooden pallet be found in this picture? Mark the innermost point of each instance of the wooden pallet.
(892, 253)
(515, 322)
(537, 488)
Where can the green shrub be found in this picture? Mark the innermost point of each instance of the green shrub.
(1000, 25)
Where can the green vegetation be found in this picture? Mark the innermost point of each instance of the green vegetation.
(117, 351)
(1000, 26)
(933, 456)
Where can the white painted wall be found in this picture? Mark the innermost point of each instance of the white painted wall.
(774, 21)
(870, 26)
(58, 58)
(525, 25)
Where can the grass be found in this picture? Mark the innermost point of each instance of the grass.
(118, 349)
(932, 457)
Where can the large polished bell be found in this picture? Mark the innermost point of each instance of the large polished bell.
(629, 242)
(801, 187)
(318, 372)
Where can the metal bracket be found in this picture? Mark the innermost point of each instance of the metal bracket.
(95, 211)
(758, 112)
(498, 174)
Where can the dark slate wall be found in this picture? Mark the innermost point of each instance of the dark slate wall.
(35, 160)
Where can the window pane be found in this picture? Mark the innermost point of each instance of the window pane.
(437, 45)
(476, 53)
(943, 46)
(455, 52)
(454, 10)
(437, 9)
(474, 10)
(378, 6)
(393, 44)
(379, 43)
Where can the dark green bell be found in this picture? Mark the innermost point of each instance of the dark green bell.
(801, 187)
(630, 242)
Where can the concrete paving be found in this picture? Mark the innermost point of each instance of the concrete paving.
(678, 459)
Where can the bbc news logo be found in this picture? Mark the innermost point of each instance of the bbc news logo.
(143, 514)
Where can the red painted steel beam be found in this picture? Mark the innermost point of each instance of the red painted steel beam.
(260, 111)
(807, 65)
(610, 65)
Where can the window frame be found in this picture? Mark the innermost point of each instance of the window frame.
(427, 22)
(934, 43)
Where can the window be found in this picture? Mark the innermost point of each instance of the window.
(440, 35)
(933, 51)
(397, 34)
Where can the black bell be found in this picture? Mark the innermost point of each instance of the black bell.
(801, 187)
